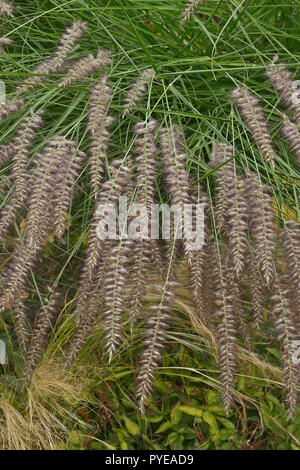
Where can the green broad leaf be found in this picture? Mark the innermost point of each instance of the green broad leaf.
(190, 390)
(173, 437)
(150, 443)
(164, 427)
(176, 415)
(226, 434)
(191, 410)
(121, 434)
(214, 431)
(226, 423)
(294, 429)
(274, 400)
(241, 383)
(275, 352)
(271, 423)
(219, 410)
(154, 419)
(117, 376)
(131, 426)
(162, 386)
(212, 397)
(205, 445)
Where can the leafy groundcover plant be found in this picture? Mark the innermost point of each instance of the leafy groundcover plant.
(149, 343)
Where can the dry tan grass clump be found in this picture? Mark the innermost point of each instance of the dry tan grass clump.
(41, 416)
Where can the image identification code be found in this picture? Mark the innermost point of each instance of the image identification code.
(165, 459)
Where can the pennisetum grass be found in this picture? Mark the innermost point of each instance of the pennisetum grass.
(281, 79)
(291, 132)
(199, 261)
(253, 114)
(64, 184)
(98, 123)
(290, 237)
(231, 210)
(21, 146)
(221, 156)
(4, 42)
(237, 222)
(256, 290)
(44, 322)
(227, 326)
(114, 294)
(10, 106)
(6, 8)
(85, 66)
(287, 334)
(189, 9)
(157, 325)
(94, 266)
(45, 208)
(262, 226)
(143, 251)
(238, 257)
(135, 94)
(171, 142)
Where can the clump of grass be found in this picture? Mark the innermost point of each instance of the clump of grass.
(47, 412)
(231, 237)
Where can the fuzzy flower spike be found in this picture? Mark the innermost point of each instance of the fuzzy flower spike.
(253, 114)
